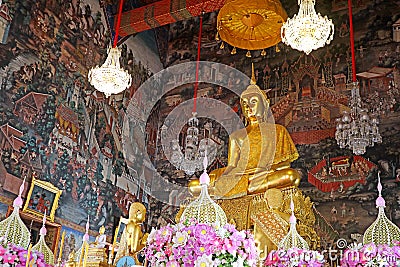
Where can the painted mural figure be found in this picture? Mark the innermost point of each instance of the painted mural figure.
(259, 155)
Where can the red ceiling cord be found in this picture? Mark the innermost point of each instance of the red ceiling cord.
(353, 56)
(118, 23)
(196, 85)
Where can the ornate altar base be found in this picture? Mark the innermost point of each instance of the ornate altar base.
(254, 212)
(96, 257)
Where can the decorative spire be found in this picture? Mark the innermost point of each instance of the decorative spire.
(203, 209)
(18, 202)
(85, 241)
(253, 77)
(293, 239)
(86, 236)
(41, 245)
(43, 230)
(204, 178)
(13, 228)
(382, 230)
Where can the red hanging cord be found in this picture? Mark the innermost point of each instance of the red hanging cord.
(118, 23)
(196, 85)
(353, 56)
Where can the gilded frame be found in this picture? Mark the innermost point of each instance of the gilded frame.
(36, 199)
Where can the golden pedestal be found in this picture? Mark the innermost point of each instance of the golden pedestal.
(96, 257)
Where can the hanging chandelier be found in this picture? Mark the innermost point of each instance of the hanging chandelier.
(110, 78)
(356, 130)
(195, 145)
(195, 148)
(307, 30)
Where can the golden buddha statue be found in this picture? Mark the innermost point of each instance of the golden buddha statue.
(133, 239)
(259, 155)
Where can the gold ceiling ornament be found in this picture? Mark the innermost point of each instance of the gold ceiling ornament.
(251, 25)
(307, 30)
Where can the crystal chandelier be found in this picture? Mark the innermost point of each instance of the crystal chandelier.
(110, 78)
(356, 130)
(307, 30)
(194, 150)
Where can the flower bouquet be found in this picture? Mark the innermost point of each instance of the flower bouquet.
(294, 257)
(12, 255)
(372, 255)
(200, 245)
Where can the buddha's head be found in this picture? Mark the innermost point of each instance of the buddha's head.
(254, 102)
(137, 212)
(102, 230)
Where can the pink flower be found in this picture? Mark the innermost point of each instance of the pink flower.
(9, 258)
(173, 264)
(2, 251)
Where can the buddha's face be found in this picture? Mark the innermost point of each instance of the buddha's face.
(252, 106)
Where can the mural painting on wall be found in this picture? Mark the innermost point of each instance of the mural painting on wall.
(54, 125)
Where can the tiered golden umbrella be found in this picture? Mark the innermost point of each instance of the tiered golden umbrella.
(250, 25)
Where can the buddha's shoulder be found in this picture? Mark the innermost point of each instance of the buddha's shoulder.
(280, 128)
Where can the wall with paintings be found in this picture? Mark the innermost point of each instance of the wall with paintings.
(53, 125)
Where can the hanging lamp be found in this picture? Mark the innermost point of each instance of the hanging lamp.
(356, 130)
(110, 78)
(194, 147)
(250, 25)
(307, 30)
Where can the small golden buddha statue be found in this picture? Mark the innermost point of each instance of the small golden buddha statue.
(71, 259)
(259, 155)
(133, 239)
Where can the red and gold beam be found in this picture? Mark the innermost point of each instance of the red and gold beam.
(164, 12)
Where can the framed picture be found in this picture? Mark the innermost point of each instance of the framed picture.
(42, 198)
